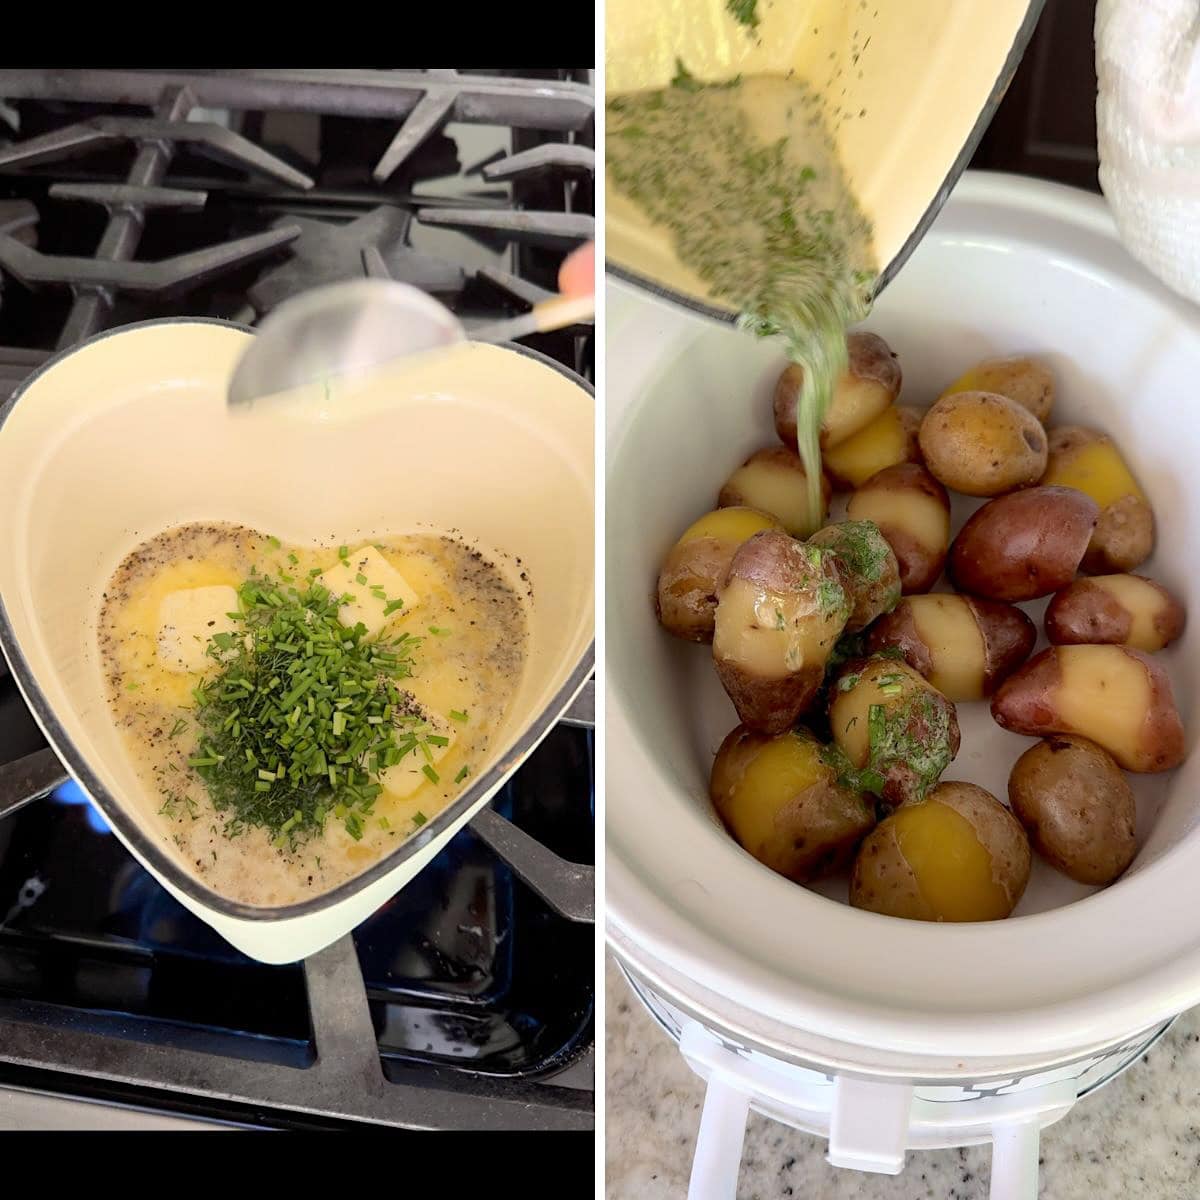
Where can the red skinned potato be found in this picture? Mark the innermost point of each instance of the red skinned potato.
(780, 612)
(1077, 807)
(1125, 610)
(912, 511)
(963, 645)
(869, 384)
(1023, 545)
(1115, 696)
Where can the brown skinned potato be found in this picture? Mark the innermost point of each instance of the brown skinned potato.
(868, 569)
(896, 732)
(1025, 380)
(773, 481)
(1090, 461)
(783, 804)
(1023, 545)
(958, 855)
(1115, 696)
(889, 439)
(779, 613)
(696, 566)
(1126, 610)
(869, 384)
(1077, 808)
(982, 444)
(912, 511)
(964, 646)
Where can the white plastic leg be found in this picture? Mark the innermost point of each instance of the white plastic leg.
(1015, 1161)
(718, 1156)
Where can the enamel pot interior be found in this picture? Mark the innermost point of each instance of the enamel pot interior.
(910, 89)
(128, 435)
(1009, 267)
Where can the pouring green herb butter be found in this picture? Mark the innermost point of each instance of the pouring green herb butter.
(745, 177)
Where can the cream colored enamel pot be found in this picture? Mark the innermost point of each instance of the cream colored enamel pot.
(910, 87)
(128, 434)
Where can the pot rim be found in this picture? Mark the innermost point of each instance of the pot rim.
(131, 831)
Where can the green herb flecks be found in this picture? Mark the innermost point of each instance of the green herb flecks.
(745, 12)
(912, 739)
(303, 714)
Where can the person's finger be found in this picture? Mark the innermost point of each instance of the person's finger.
(577, 275)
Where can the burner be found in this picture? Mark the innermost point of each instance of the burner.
(326, 253)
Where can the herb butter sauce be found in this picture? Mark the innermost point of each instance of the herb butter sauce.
(746, 178)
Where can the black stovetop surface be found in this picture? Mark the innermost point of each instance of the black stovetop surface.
(467, 970)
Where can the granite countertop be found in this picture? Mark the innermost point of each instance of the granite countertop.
(1138, 1138)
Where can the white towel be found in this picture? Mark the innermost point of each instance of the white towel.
(1148, 130)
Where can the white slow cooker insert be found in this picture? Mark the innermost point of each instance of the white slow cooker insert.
(1010, 265)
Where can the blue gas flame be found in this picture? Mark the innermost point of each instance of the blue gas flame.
(71, 793)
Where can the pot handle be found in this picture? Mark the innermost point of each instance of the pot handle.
(29, 778)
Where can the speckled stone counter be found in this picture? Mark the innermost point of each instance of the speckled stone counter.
(1138, 1138)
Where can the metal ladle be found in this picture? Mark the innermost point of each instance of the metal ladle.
(350, 329)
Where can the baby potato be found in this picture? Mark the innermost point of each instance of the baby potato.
(1022, 379)
(779, 613)
(784, 805)
(869, 384)
(1077, 808)
(1115, 696)
(1023, 545)
(957, 855)
(1124, 535)
(695, 569)
(912, 511)
(1124, 610)
(889, 439)
(868, 569)
(774, 481)
(982, 444)
(964, 646)
(896, 733)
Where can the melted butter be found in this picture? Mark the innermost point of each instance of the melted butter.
(746, 178)
(474, 669)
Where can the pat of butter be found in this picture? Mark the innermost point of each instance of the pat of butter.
(187, 619)
(407, 775)
(368, 606)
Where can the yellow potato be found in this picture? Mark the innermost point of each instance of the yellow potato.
(958, 855)
(1090, 461)
(889, 439)
(774, 481)
(982, 444)
(695, 568)
(1025, 380)
(869, 384)
(784, 805)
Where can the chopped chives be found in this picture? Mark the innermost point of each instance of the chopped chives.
(460, 717)
(462, 775)
(436, 739)
(360, 579)
(274, 542)
(431, 774)
(343, 552)
(419, 819)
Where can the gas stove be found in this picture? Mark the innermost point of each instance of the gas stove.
(467, 1000)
